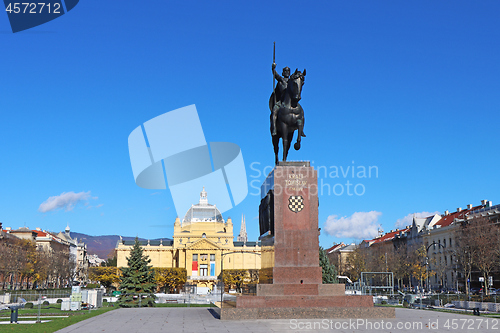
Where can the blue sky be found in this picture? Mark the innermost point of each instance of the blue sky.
(410, 88)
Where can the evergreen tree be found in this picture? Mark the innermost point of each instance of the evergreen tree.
(137, 280)
(329, 270)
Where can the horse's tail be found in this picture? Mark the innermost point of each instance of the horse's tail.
(271, 102)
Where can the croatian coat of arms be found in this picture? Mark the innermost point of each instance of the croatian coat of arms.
(296, 203)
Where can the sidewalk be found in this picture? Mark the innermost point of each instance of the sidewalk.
(196, 320)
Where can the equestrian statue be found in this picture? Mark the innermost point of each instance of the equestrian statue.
(287, 115)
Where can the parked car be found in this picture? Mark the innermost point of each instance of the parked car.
(474, 291)
(493, 291)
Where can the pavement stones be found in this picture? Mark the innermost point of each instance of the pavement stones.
(195, 320)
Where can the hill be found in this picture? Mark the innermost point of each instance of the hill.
(101, 245)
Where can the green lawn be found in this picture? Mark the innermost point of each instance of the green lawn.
(59, 323)
(55, 323)
(53, 309)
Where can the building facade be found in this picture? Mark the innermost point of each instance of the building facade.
(66, 256)
(338, 255)
(203, 243)
(78, 251)
(438, 236)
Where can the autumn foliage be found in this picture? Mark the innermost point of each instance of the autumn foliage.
(25, 266)
(107, 276)
(236, 278)
(170, 279)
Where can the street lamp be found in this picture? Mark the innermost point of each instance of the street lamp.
(427, 258)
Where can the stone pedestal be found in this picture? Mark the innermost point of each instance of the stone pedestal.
(290, 280)
(290, 251)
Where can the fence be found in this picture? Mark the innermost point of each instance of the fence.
(188, 298)
(34, 297)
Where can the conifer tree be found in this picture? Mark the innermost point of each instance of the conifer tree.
(329, 270)
(137, 280)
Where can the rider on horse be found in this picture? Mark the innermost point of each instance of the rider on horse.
(279, 94)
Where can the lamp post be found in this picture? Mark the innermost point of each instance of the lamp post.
(427, 270)
(428, 247)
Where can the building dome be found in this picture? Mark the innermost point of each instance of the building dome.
(203, 211)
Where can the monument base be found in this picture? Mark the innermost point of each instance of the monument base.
(303, 301)
(232, 313)
(300, 290)
(290, 278)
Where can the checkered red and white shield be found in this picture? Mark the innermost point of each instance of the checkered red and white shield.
(296, 203)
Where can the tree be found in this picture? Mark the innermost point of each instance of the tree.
(238, 277)
(398, 264)
(478, 247)
(329, 270)
(137, 280)
(107, 276)
(356, 263)
(170, 278)
(112, 259)
(419, 268)
(234, 277)
(41, 267)
(8, 261)
(110, 262)
(29, 258)
(464, 254)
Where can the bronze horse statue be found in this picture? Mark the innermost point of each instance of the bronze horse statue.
(290, 115)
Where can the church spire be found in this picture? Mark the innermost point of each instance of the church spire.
(242, 237)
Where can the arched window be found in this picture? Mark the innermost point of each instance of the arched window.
(204, 235)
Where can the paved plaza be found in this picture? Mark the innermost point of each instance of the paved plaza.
(186, 320)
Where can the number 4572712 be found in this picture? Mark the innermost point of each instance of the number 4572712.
(33, 8)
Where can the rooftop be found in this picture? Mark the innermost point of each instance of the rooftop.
(203, 211)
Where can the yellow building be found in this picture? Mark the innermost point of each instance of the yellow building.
(202, 244)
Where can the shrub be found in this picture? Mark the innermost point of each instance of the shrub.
(93, 285)
(59, 301)
(45, 303)
(383, 302)
(405, 304)
(28, 305)
(105, 300)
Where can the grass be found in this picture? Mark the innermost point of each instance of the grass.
(53, 309)
(55, 324)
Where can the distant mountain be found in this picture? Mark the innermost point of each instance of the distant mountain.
(102, 245)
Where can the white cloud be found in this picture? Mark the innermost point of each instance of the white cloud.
(360, 225)
(408, 219)
(66, 200)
